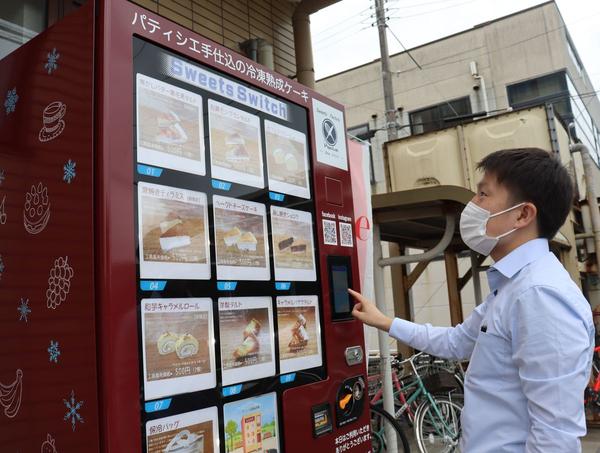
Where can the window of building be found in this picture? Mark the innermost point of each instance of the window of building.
(585, 126)
(551, 88)
(574, 56)
(362, 132)
(548, 88)
(558, 90)
(21, 20)
(365, 133)
(439, 116)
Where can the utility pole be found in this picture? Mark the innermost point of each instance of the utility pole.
(385, 368)
(386, 75)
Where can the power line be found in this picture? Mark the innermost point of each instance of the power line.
(341, 38)
(347, 22)
(431, 65)
(545, 33)
(405, 49)
(424, 13)
(425, 74)
(586, 95)
(416, 5)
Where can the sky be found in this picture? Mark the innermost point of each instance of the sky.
(344, 38)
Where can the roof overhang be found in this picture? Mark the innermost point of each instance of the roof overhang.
(312, 6)
(416, 218)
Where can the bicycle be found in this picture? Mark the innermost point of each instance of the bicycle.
(376, 390)
(428, 365)
(403, 383)
(381, 422)
(436, 420)
(592, 391)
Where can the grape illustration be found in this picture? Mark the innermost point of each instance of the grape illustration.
(59, 282)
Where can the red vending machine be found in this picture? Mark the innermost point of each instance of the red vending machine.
(177, 244)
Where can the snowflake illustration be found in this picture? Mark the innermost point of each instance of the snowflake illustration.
(69, 171)
(73, 411)
(54, 351)
(11, 100)
(24, 309)
(52, 62)
(2, 177)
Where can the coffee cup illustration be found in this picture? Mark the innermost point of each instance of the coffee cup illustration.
(52, 120)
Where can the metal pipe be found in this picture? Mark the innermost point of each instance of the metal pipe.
(429, 254)
(476, 279)
(486, 106)
(305, 69)
(385, 368)
(592, 197)
(253, 44)
(584, 236)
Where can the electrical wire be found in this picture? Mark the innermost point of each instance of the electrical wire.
(345, 22)
(341, 38)
(586, 95)
(431, 64)
(425, 13)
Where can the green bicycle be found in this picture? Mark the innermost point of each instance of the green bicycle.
(436, 419)
(381, 423)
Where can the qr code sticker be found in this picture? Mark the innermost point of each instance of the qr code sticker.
(329, 232)
(346, 235)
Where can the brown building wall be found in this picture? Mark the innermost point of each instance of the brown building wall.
(230, 22)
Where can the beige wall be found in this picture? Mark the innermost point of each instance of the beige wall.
(230, 22)
(506, 51)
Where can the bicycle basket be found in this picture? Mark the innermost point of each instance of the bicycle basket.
(440, 382)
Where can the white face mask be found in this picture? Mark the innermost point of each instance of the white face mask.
(473, 228)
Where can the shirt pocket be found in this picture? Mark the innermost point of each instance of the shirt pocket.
(491, 359)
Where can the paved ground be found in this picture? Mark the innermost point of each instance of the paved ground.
(591, 442)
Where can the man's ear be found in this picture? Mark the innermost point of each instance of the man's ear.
(527, 215)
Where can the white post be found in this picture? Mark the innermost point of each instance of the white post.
(476, 279)
(384, 347)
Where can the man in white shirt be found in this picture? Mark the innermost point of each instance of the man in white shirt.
(530, 343)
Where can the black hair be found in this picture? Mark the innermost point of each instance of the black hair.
(535, 176)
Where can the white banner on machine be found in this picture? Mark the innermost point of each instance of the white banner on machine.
(358, 153)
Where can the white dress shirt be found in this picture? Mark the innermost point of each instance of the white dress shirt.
(530, 345)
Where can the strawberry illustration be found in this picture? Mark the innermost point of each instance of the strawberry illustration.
(48, 445)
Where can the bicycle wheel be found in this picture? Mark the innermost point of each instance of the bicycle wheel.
(437, 426)
(380, 422)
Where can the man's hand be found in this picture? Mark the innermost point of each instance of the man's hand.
(364, 310)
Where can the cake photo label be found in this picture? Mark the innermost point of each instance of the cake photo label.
(287, 160)
(170, 130)
(242, 248)
(299, 333)
(235, 145)
(173, 233)
(293, 247)
(190, 432)
(178, 346)
(246, 338)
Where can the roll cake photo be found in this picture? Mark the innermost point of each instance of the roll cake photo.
(178, 348)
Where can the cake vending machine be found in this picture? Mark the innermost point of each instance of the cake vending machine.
(177, 243)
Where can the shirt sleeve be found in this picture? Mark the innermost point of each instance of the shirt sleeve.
(552, 351)
(455, 343)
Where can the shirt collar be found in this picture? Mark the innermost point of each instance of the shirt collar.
(516, 260)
